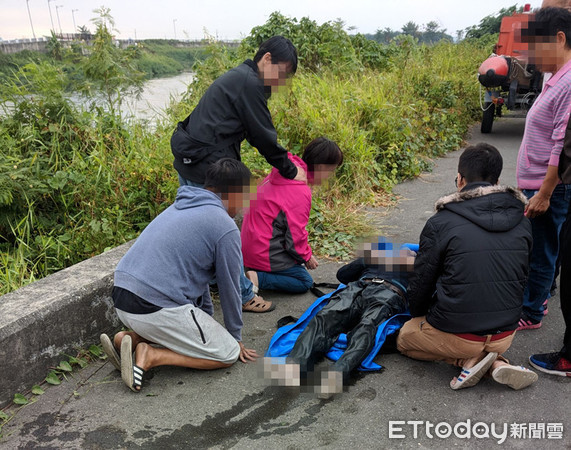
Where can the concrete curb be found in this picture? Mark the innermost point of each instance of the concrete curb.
(45, 320)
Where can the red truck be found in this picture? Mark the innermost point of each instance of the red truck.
(507, 77)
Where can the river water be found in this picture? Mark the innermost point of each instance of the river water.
(157, 95)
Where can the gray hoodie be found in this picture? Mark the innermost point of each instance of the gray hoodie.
(181, 250)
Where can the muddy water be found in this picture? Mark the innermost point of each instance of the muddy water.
(156, 95)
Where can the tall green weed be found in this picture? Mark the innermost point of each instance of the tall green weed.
(74, 182)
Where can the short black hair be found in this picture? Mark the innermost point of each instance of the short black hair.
(282, 51)
(481, 162)
(322, 151)
(227, 175)
(547, 22)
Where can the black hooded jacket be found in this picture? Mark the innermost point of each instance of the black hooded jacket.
(473, 261)
(232, 109)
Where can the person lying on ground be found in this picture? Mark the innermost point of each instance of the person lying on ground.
(274, 236)
(161, 286)
(375, 291)
(466, 292)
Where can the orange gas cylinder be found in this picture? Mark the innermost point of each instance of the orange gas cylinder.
(494, 71)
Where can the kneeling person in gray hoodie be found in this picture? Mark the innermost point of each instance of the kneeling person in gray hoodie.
(161, 286)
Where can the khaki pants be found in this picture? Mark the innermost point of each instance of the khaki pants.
(419, 340)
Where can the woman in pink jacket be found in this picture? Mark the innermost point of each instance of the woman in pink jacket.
(274, 237)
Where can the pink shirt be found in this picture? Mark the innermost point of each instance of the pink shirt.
(544, 130)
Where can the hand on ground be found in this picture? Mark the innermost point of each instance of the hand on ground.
(247, 354)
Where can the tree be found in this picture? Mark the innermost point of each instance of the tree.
(411, 29)
(54, 46)
(490, 24)
(385, 35)
(111, 71)
(433, 33)
(84, 33)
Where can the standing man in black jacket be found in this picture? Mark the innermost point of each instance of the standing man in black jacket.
(235, 108)
(232, 109)
(466, 293)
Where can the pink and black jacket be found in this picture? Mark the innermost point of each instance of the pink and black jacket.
(274, 237)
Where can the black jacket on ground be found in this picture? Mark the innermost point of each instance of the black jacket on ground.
(232, 109)
(473, 261)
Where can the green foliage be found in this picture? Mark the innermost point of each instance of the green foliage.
(75, 182)
(490, 25)
(110, 71)
(37, 390)
(19, 399)
(158, 58)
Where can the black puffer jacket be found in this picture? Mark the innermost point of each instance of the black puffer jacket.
(473, 261)
(233, 108)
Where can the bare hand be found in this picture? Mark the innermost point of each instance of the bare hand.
(312, 263)
(537, 205)
(247, 354)
(301, 175)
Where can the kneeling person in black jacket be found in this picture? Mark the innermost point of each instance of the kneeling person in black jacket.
(466, 293)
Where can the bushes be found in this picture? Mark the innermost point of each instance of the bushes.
(73, 183)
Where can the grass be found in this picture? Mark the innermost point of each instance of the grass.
(76, 182)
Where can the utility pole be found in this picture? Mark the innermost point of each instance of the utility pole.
(29, 15)
(73, 16)
(59, 23)
(51, 18)
(174, 26)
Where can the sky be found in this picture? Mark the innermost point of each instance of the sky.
(231, 19)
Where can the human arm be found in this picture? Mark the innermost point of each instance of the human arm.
(561, 106)
(228, 265)
(247, 354)
(539, 203)
(352, 271)
(312, 263)
(292, 222)
(427, 268)
(252, 108)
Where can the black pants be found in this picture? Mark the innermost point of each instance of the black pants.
(357, 310)
(565, 281)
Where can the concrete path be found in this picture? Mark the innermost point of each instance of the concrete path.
(231, 408)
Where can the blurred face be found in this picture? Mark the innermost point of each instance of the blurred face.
(322, 172)
(556, 4)
(276, 76)
(393, 260)
(548, 52)
(237, 199)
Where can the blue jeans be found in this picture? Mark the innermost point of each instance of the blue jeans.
(545, 230)
(246, 286)
(296, 280)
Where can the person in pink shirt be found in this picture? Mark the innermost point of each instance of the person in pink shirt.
(274, 236)
(549, 38)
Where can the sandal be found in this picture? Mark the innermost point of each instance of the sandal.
(131, 374)
(516, 377)
(110, 351)
(470, 377)
(258, 305)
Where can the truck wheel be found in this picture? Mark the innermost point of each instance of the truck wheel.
(488, 117)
